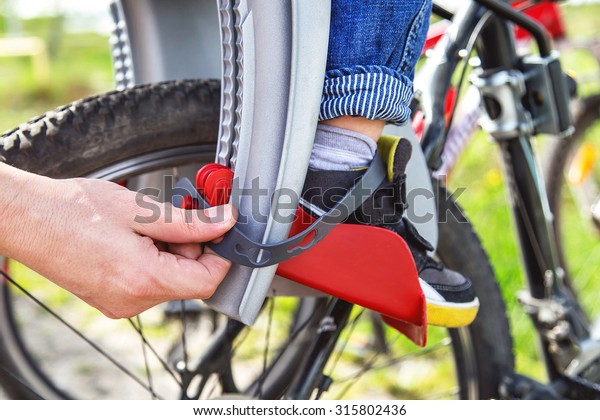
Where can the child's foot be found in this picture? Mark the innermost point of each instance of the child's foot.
(451, 300)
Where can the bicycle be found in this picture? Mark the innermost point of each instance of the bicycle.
(568, 164)
(181, 119)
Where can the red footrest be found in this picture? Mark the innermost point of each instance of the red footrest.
(366, 265)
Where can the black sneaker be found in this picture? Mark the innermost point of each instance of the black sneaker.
(451, 300)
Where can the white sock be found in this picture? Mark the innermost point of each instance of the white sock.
(338, 149)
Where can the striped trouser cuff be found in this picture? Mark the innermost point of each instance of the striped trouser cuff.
(374, 92)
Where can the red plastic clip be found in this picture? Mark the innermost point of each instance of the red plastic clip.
(213, 181)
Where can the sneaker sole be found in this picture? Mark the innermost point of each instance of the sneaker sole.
(452, 315)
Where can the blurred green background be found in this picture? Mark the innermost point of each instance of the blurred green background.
(75, 62)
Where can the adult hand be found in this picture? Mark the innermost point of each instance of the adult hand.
(100, 241)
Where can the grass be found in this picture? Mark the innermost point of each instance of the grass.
(81, 66)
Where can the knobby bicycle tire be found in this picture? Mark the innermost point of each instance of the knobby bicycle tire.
(460, 249)
(146, 123)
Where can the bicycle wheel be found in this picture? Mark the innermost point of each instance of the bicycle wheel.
(144, 129)
(573, 185)
(165, 352)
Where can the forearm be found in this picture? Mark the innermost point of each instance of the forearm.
(20, 196)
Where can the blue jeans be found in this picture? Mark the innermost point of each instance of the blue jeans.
(374, 46)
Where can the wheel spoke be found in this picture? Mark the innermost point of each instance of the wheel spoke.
(161, 360)
(371, 366)
(351, 326)
(145, 354)
(352, 379)
(424, 352)
(288, 342)
(183, 332)
(98, 349)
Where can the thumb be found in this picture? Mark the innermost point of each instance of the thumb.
(188, 226)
